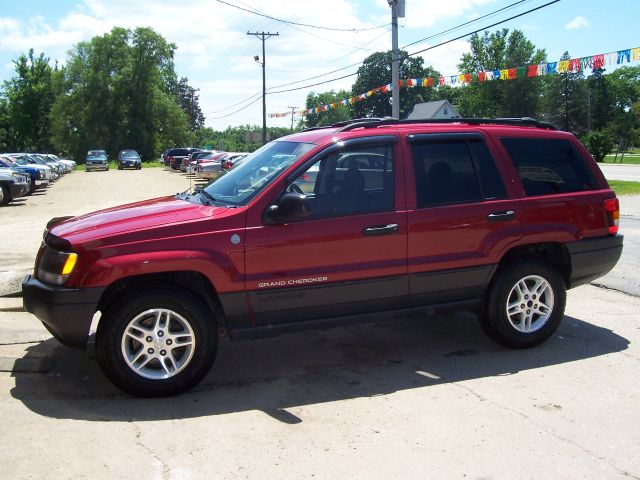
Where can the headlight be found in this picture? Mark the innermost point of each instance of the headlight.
(55, 266)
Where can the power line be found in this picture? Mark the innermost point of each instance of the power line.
(360, 63)
(508, 7)
(235, 104)
(414, 53)
(255, 12)
(484, 28)
(239, 110)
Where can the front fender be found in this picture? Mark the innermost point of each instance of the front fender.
(224, 271)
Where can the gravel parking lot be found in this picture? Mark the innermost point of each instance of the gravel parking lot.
(427, 397)
(74, 194)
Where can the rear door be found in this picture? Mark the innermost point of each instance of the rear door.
(350, 254)
(463, 219)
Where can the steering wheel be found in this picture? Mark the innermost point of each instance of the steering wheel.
(293, 188)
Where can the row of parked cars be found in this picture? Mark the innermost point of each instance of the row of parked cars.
(22, 173)
(204, 164)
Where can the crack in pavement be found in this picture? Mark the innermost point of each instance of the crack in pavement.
(606, 287)
(166, 469)
(555, 435)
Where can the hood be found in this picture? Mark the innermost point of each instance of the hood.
(134, 218)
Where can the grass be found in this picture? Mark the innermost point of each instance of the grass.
(622, 187)
(630, 157)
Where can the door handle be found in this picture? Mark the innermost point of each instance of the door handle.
(381, 230)
(501, 216)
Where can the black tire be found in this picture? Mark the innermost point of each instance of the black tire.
(5, 194)
(119, 167)
(129, 312)
(528, 327)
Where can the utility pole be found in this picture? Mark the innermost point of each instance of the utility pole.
(293, 109)
(263, 36)
(397, 10)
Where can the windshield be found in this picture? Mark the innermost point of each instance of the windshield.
(257, 171)
(130, 154)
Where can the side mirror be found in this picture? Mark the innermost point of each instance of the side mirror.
(289, 207)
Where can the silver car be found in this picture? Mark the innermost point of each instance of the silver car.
(97, 160)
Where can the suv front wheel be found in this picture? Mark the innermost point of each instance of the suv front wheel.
(157, 342)
(525, 304)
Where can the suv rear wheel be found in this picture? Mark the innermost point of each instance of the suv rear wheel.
(525, 304)
(157, 342)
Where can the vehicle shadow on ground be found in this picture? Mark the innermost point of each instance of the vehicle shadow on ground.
(271, 375)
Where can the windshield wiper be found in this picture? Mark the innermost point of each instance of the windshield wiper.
(210, 198)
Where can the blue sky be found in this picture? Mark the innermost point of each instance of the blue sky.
(216, 54)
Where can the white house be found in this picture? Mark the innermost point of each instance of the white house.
(432, 110)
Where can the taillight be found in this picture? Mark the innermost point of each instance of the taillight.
(612, 209)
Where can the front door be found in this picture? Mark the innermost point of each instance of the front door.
(348, 255)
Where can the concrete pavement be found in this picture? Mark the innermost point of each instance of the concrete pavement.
(418, 398)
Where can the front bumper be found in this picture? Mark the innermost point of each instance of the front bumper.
(593, 258)
(65, 312)
(97, 166)
(19, 189)
(129, 164)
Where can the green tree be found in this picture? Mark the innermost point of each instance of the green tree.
(118, 91)
(566, 100)
(376, 71)
(601, 110)
(30, 97)
(188, 102)
(623, 88)
(509, 98)
(7, 141)
(599, 143)
(338, 114)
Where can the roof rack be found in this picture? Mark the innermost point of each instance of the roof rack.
(376, 122)
(364, 120)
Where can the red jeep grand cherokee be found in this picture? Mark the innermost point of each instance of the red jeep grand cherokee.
(357, 221)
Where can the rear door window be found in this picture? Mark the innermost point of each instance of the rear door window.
(547, 166)
(459, 169)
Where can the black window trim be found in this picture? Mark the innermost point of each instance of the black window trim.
(446, 137)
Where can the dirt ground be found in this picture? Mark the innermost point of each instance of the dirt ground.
(23, 220)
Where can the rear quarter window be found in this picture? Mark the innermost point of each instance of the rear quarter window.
(546, 166)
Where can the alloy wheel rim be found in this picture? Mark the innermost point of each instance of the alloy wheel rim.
(158, 344)
(530, 304)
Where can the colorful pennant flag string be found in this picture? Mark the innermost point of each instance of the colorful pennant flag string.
(573, 65)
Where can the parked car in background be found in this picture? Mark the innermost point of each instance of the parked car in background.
(70, 165)
(191, 159)
(231, 159)
(97, 160)
(174, 156)
(37, 175)
(59, 167)
(211, 168)
(31, 159)
(198, 157)
(129, 159)
(13, 184)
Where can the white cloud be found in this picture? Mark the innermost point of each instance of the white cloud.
(216, 54)
(578, 22)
